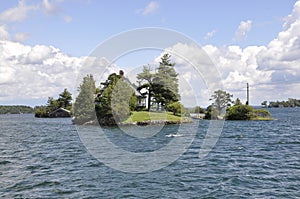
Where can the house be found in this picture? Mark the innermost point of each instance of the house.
(60, 112)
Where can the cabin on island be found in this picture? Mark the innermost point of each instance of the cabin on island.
(60, 112)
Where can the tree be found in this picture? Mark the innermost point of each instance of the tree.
(65, 99)
(237, 101)
(197, 109)
(239, 112)
(176, 108)
(264, 103)
(221, 99)
(166, 90)
(115, 101)
(84, 106)
(52, 104)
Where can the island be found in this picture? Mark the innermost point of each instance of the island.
(15, 109)
(155, 99)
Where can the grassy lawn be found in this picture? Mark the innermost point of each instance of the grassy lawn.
(262, 118)
(142, 116)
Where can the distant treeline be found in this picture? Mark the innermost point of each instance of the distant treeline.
(289, 103)
(19, 109)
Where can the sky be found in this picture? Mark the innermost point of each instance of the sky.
(45, 44)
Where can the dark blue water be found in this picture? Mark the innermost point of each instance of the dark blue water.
(44, 158)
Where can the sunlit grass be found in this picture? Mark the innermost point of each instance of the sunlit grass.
(142, 116)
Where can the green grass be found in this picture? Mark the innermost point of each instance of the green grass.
(142, 116)
(262, 119)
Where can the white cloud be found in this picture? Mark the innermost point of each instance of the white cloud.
(243, 29)
(210, 34)
(41, 71)
(150, 8)
(4, 35)
(18, 13)
(272, 71)
(50, 8)
(21, 36)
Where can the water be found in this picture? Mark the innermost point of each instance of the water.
(44, 158)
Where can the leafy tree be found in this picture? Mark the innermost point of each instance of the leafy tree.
(162, 86)
(239, 112)
(177, 108)
(211, 113)
(115, 101)
(84, 106)
(221, 99)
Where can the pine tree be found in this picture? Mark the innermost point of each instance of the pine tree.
(84, 106)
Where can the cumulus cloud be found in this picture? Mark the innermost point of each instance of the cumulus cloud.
(243, 29)
(272, 70)
(37, 72)
(150, 8)
(18, 13)
(4, 35)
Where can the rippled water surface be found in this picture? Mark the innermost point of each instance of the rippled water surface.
(44, 158)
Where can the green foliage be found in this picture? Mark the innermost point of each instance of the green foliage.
(115, 101)
(197, 109)
(239, 112)
(162, 86)
(64, 101)
(41, 111)
(211, 113)
(16, 109)
(221, 99)
(84, 106)
(245, 112)
(166, 79)
(177, 109)
(290, 103)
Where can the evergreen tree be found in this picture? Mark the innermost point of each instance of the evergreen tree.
(65, 99)
(166, 90)
(84, 106)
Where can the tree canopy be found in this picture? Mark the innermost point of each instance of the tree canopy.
(84, 106)
(64, 101)
(162, 85)
(114, 101)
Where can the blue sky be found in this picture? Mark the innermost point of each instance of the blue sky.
(49, 39)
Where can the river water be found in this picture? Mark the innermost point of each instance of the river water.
(45, 158)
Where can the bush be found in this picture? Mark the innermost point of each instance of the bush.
(239, 112)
